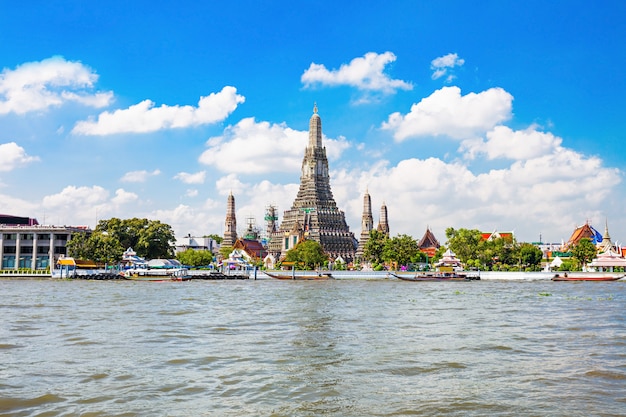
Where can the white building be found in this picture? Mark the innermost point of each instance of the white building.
(196, 243)
(34, 246)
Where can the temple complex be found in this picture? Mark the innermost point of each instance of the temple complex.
(314, 214)
(367, 224)
(230, 229)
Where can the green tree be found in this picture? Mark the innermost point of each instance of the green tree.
(374, 248)
(80, 246)
(149, 238)
(106, 248)
(400, 250)
(584, 251)
(530, 256)
(465, 243)
(307, 254)
(195, 258)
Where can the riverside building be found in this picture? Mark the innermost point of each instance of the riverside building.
(24, 243)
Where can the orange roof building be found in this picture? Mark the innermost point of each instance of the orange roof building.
(581, 232)
(429, 243)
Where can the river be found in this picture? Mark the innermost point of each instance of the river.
(302, 348)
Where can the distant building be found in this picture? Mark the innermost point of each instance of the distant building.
(507, 236)
(253, 248)
(314, 214)
(26, 244)
(196, 243)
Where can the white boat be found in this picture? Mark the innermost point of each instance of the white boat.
(156, 274)
(138, 269)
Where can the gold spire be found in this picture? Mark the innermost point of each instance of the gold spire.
(315, 108)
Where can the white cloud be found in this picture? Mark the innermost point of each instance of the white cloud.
(253, 148)
(13, 156)
(139, 176)
(503, 142)
(447, 113)
(546, 194)
(364, 73)
(82, 205)
(444, 64)
(38, 85)
(123, 197)
(185, 177)
(144, 117)
(192, 192)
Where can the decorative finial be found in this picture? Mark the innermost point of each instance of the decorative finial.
(315, 108)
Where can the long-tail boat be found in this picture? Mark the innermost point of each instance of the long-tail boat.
(438, 276)
(584, 277)
(316, 276)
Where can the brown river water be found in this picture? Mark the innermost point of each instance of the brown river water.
(297, 348)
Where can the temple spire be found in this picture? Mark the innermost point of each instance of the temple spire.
(315, 129)
(314, 214)
(230, 230)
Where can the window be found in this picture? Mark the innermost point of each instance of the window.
(8, 262)
(43, 236)
(9, 249)
(26, 249)
(26, 236)
(10, 236)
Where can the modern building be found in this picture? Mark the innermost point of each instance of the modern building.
(314, 214)
(29, 245)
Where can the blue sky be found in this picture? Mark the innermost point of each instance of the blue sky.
(498, 116)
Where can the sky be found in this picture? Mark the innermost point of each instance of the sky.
(497, 116)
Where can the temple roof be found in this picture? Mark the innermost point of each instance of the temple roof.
(508, 236)
(584, 231)
(254, 248)
(428, 240)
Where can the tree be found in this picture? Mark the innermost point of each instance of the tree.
(373, 250)
(98, 247)
(195, 258)
(149, 238)
(106, 248)
(584, 251)
(80, 246)
(307, 254)
(400, 249)
(530, 256)
(465, 243)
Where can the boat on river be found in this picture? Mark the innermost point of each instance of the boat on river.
(301, 276)
(156, 274)
(438, 276)
(586, 277)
